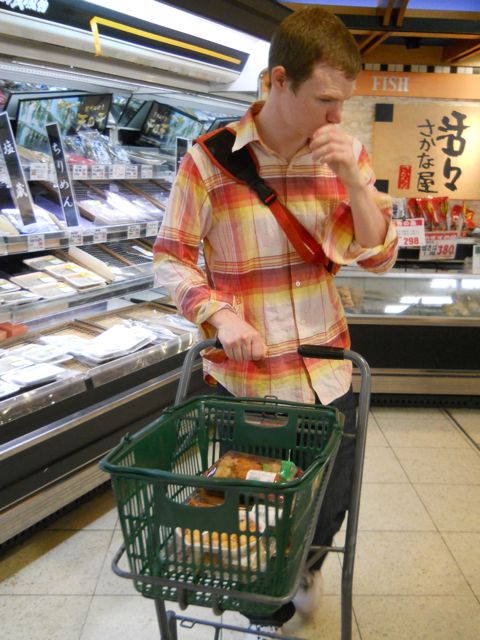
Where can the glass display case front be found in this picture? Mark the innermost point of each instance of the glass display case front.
(426, 295)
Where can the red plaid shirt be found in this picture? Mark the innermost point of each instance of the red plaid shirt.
(256, 272)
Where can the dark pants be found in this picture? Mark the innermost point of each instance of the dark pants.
(337, 495)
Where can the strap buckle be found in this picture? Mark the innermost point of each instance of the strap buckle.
(263, 191)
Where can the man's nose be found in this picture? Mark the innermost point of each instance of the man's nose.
(334, 113)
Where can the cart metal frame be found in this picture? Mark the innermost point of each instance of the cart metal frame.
(167, 620)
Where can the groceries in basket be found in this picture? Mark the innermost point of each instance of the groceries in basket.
(244, 549)
(244, 466)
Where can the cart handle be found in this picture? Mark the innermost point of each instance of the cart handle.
(319, 351)
(304, 350)
(187, 367)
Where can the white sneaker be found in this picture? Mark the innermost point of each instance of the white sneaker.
(257, 632)
(307, 598)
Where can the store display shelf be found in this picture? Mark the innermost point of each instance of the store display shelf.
(42, 308)
(76, 236)
(32, 400)
(118, 171)
(73, 383)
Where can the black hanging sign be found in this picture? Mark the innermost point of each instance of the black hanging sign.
(20, 190)
(64, 182)
(182, 146)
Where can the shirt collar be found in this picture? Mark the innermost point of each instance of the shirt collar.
(246, 128)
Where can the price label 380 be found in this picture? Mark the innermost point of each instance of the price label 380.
(439, 245)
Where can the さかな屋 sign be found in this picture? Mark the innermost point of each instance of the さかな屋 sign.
(422, 150)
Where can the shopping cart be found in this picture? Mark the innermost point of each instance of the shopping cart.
(247, 553)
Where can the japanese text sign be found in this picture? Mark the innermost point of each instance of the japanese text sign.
(427, 150)
(64, 182)
(20, 190)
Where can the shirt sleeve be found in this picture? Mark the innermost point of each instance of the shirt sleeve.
(339, 243)
(176, 250)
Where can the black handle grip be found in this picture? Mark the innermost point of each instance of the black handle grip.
(318, 351)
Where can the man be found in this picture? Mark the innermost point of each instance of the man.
(260, 298)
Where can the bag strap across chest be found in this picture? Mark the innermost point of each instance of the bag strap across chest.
(242, 166)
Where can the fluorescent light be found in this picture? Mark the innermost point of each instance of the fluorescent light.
(470, 283)
(443, 283)
(437, 300)
(410, 299)
(166, 16)
(395, 308)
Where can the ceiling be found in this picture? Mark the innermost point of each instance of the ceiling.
(407, 32)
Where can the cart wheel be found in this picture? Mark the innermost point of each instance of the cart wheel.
(217, 606)
(182, 599)
(172, 625)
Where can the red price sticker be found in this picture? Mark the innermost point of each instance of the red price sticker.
(439, 246)
(411, 232)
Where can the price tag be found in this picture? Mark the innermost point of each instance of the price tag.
(80, 172)
(75, 237)
(152, 229)
(98, 171)
(476, 259)
(100, 235)
(39, 171)
(131, 171)
(411, 232)
(35, 242)
(117, 171)
(133, 231)
(440, 245)
(146, 171)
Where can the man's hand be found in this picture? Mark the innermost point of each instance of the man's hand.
(330, 144)
(239, 339)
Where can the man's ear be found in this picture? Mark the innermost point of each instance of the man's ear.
(278, 77)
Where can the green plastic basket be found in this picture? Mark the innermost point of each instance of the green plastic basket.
(155, 472)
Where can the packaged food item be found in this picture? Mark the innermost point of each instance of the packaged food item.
(7, 389)
(33, 280)
(6, 286)
(11, 361)
(247, 466)
(43, 262)
(41, 353)
(243, 549)
(18, 297)
(75, 275)
(34, 374)
(115, 342)
(55, 290)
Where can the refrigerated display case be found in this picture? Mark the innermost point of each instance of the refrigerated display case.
(419, 330)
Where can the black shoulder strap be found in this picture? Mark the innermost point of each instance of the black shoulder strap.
(240, 165)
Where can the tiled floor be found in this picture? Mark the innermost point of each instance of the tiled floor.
(417, 572)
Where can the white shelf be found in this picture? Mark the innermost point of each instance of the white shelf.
(76, 236)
